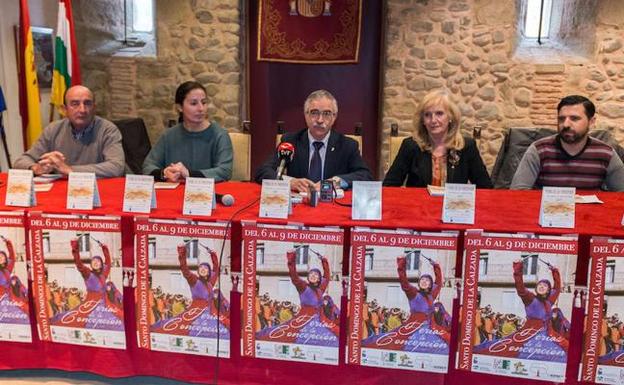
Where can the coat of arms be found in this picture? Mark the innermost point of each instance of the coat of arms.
(310, 8)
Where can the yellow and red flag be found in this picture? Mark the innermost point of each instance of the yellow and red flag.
(28, 85)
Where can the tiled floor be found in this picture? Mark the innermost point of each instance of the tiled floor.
(58, 377)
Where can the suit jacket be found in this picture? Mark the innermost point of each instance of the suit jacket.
(415, 165)
(342, 159)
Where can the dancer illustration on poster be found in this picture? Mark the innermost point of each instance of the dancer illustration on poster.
(101, 308)
(317, 321)
(201, 318)
(543, 335)
(427, 330)
(13, 294)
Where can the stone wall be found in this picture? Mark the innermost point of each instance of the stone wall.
(196, 39)
(472, 48)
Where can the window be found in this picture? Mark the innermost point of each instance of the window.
(610, 272)
(151, 248)
(46, 242)
(413, 260)
(192, 248)
(143, 16)
(483, 264)
(259, 254)
(536, 10)
(529, 264)
(84, 242)
(302, 255)
(369, 259)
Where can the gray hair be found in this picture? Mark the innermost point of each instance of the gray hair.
(318, 94)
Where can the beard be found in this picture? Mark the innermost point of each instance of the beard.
(573, 138)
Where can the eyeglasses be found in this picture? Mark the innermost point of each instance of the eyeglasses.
(317, 114)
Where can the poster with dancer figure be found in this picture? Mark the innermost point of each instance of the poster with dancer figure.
(183, 286)
(603, 341)
(14, 308)
(291, 292)
(517, 304)
(401, 299)
(77, 284)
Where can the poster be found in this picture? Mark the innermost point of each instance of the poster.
(291, 293)
(517, 304)
(183, 286)
(603, 341)
(77, 284)
(401, 299)
(14, 308)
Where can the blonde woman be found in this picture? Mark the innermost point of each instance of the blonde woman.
(437, 152)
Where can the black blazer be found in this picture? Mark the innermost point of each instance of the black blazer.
(342, 158)
(415, 165)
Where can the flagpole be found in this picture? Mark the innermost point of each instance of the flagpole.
(4, 140)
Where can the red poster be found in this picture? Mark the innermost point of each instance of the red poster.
(309, 31)
(14, 308)
(183, 285)
(400, 299)
(77, 283)
(603, 350)
(291, 293)
(516, 305)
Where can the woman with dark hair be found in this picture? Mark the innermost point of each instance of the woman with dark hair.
(95, 311)
(437, 152)
(317, 322)
(536, 339)
(13, 295)
(195, 147)
(201, 319)
(417, 333)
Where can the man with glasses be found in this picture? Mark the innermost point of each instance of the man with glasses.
(320, 152)
(81, 142)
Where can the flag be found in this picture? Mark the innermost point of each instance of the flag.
(29, 88)
(66, 63)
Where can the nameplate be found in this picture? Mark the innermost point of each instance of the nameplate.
(366, 201)
(20, 189)
(82, 191)
(459, 203)
(198, 196)
(274, 199)
(558, 207)
(139, 195)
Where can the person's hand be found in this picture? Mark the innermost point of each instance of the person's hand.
(56, 160)
(171, 174)
(303, 184)
(42, 167)
(74, 244)
(401, 262)
(184, 172)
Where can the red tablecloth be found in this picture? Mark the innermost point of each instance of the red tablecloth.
(499, 211)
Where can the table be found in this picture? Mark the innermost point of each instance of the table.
(498, 211)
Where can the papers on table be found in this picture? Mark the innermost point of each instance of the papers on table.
(435, 191)
(275, 199)
(558, 207)
(198, 196)
(587, 199)
(20, 189)
(366, 201)
(139, 195)
(459, 203)
(165, 185)
(82, 191)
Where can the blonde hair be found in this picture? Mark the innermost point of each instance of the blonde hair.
(454, 139)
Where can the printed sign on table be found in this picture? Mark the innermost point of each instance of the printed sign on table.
(77, 284)
(517, 304)
(603, 349)
(14, 308)
(401, 298)
(291, 293)
(182, 292)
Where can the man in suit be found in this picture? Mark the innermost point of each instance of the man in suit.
(320, 152)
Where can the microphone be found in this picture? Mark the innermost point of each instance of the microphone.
(225, 199)
(285, 153)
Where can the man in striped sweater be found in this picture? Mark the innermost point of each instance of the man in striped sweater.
(571, 158)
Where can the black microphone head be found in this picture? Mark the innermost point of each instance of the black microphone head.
(227, 200)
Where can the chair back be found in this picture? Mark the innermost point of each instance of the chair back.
(135, 141)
